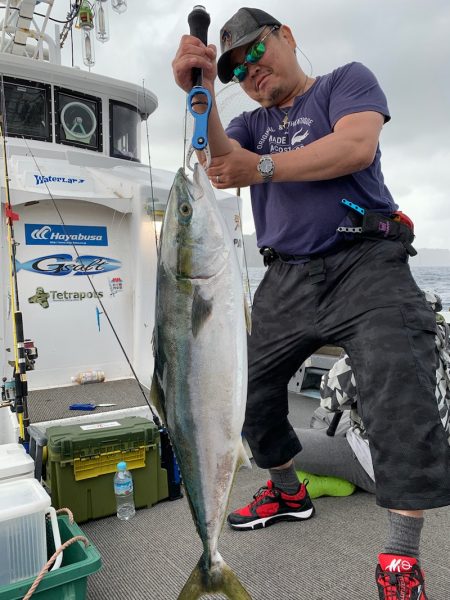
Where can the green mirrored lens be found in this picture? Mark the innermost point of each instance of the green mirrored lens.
(240, 72)
(256, 52)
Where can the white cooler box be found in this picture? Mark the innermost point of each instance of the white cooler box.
(15, 463)
(23, 540)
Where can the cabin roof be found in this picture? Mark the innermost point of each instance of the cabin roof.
(80, 80)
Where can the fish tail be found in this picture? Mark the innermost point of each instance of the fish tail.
(222, 580)
(232, 587)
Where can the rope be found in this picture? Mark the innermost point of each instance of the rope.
(45, 568)
(51, 560)
(67, 511)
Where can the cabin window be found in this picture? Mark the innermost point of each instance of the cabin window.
(125, 122)
(27, 108)
(78, 120)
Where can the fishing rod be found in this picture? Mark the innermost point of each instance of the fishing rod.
(20, 358)
(150, 174)
(244, 251)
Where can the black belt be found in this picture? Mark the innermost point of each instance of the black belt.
(316, 264)
(270, 254)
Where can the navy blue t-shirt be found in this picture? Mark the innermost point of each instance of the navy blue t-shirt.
(302, 217)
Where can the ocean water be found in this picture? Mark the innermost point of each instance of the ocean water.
(436, 279)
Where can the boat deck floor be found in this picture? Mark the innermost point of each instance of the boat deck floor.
(329, 557)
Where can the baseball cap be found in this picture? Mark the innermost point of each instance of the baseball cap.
(243, 28)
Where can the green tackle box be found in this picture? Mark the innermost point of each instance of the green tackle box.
(82, 459)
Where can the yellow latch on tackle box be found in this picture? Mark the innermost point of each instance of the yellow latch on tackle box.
(86, 468)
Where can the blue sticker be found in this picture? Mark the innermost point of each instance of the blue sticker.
(64, 264)
(39, 234)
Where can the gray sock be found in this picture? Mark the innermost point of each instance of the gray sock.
(404, 535)
(285, 480)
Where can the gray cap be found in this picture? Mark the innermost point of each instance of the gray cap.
(242, 29)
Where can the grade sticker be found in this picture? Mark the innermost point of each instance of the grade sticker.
(100, 425)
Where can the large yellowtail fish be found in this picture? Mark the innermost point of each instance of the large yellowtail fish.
(200, 378)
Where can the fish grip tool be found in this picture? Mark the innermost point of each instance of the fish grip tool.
(199, 99)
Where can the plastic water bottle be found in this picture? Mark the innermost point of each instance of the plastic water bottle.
(89, 377)
(123, 489)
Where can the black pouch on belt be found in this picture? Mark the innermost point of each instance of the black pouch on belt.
(269, 255)
(376, 226)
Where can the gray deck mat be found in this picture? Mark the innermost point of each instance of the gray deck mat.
(52, 404)
(329, 557)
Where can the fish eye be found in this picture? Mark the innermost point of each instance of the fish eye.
(185, 210)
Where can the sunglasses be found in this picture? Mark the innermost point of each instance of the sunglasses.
(254, 55)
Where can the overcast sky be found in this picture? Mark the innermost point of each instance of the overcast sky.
(406, 43)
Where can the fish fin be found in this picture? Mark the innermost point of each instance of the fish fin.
(222, 580)
(243, 458)
(201, 309)
(248, 316)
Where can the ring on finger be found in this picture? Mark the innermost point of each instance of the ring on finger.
(217, 179)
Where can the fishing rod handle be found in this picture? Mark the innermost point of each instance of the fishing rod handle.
(199, 21)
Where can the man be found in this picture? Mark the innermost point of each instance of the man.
(335, 276)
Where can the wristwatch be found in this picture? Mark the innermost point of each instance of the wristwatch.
(266, 167)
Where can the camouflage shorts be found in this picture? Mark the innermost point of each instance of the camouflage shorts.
(368, 303)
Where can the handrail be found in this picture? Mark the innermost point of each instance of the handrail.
(19, 23)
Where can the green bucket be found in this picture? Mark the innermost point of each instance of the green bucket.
(69, 582)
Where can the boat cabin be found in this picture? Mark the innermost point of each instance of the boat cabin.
(89, 217)
(62, 105)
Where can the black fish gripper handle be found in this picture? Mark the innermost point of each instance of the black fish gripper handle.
(199, 21)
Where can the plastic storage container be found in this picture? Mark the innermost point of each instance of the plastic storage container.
(23, 542)
(82, 459)
(69, 582)
(15, 463)
(9, 426)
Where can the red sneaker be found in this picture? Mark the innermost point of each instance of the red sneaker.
(399, 578)
(270, 505)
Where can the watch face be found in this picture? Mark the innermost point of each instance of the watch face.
(266, 166)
